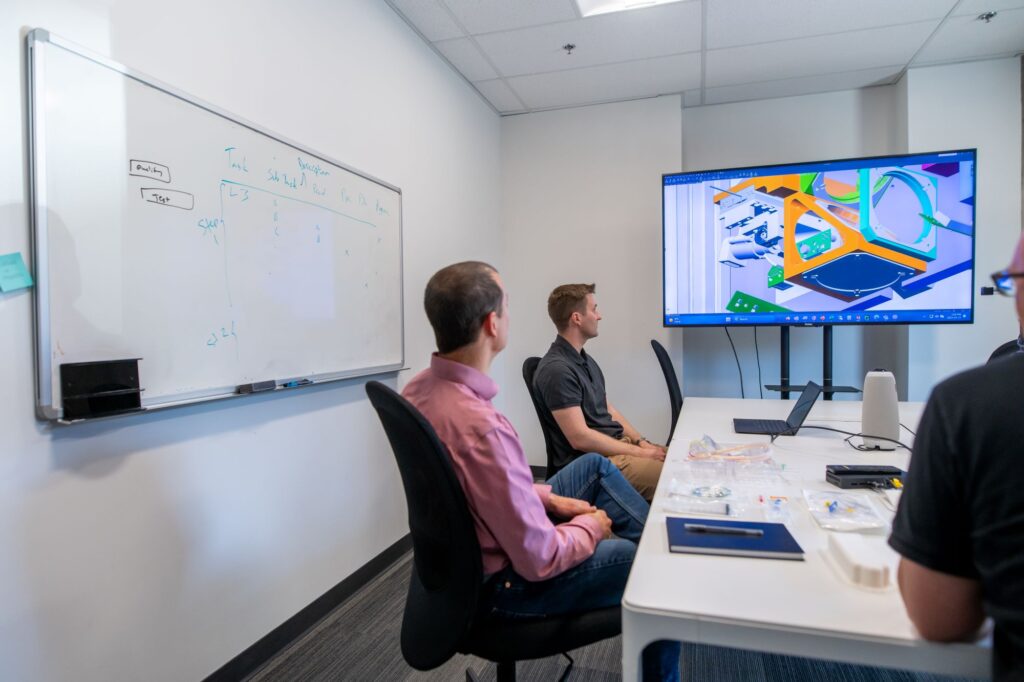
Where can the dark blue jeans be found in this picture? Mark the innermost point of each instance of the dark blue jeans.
(599, 581)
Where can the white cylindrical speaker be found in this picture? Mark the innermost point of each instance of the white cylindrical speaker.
(880, 415)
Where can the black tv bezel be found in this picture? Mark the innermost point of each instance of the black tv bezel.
(843, 323)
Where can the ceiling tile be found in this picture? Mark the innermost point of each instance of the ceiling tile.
(963, 38)
(975, 7)
(500, 95)
(429, 18)
(816, 56)
(464, 56)
(746, 22)
(803, 86)
(611, 82)
(485, 16)
(604, 39)
(691, 98)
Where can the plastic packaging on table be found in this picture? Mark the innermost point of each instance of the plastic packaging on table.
(707, 449)
(776, 507)
(682, 504)
(732, 465)
(703, 497)
(843, 511)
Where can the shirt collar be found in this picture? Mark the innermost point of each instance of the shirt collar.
(579, 357)
(456, 372)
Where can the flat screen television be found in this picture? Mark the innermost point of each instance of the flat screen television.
(879, 240)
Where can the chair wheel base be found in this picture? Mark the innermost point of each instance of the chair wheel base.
(507, 671)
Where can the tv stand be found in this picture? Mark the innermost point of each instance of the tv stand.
(827, 388)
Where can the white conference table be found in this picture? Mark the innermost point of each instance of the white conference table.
(799, 608)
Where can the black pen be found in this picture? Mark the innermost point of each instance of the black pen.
(722, 530)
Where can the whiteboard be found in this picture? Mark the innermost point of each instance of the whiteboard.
(217, 252)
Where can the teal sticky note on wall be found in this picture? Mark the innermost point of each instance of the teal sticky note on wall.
(13, 273)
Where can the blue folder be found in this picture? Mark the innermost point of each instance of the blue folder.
(774, 543)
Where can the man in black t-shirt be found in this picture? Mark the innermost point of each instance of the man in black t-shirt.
(571, 386)
(960, 522)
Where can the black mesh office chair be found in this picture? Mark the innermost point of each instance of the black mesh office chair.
(548, 426)
(675, 396)
(441, 608)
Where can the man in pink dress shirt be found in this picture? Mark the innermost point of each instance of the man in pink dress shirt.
(547, 549)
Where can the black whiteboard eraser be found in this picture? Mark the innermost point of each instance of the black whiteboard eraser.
(100, 389)
(257, 386)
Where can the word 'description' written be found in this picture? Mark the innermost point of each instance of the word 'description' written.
(148, 169)
(168, 197)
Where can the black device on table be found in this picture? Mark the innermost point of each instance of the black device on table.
(778, 427)
(863, 476)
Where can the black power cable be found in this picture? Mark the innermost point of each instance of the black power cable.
(736, 355)
(757, 354)
(850, 434)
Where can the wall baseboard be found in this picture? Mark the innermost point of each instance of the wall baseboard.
(287, 632)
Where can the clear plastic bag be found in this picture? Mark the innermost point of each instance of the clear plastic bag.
(683, 504)
(724, 479)
(706, 449)
(843, 511)
(776, 508)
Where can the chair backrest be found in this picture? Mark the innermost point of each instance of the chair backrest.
(548, 426)
(675, 396)
(448, 570)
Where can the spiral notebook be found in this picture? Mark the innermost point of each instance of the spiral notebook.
(732, 538)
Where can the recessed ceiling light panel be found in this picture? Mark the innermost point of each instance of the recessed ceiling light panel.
(589, 8)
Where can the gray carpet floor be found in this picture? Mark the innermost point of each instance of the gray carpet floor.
(359, 641)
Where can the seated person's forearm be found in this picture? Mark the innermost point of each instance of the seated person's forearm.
(595, 441)
(627, 429)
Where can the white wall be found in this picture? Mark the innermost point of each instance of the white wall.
(971, 105)
(160, 546)
(824, 126)
(581, 202)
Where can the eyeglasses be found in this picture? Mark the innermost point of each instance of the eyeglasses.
(1005, 281)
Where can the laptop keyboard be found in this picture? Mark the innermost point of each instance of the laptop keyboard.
(763, 426)
(767, 425)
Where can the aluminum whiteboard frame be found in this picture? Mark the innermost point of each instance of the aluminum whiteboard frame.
(36, 67)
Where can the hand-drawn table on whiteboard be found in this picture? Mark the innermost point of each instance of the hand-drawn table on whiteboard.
(217, 252)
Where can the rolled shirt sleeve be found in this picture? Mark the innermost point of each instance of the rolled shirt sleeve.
(502, 495)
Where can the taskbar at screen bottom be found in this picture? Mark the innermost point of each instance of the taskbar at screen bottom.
(960, 315)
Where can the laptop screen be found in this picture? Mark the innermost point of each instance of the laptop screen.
(803, 405)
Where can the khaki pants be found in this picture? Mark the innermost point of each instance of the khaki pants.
(642, 473)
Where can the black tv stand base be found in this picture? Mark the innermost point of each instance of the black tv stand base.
(827, 388)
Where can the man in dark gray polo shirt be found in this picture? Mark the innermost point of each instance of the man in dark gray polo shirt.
(571, 385)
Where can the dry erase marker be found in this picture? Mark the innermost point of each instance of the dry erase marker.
(722, 530)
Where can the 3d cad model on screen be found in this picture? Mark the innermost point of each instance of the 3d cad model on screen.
(881, 240)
